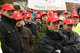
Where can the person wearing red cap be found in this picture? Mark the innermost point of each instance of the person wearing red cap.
(10, 37)
(24, 12)
(37, 22)
(66, 14)
(0, 14)
(54, 11)
(75, 17)
(52, 39)
(25, 34)
(72, 43)
(44, 16)
(30, 25)
(73, 8)
(50, 13)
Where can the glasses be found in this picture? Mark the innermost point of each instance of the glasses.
(10, 11)
(71, 25)
(57, 22)
(28, 18)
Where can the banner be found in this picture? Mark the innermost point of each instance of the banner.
(73, 1)
(47, 4)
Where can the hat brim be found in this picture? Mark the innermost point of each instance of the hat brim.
(55, 20)
(75, 16)
(69, 23)
(11, 9)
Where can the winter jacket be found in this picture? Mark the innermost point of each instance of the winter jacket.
(32, 27)
(50, 42)
(27, 40)
(9, 36)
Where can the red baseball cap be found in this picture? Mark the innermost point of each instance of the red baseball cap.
(27, 15)
(24, 12)
(8, 6)
(43, 13)
(50, 13)
(53, 18)
(16, 12)
(0, 12)
(69, 21)
(37, 16)
(75, 15)
(65, 12)
(17, 16)
(73, 7)
(54, 10)
(35, 10)
(30, 11)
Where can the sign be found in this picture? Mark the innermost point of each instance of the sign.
(47, 4)
(73, 1)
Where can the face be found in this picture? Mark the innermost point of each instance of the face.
(44, 18)
(55, 12)
(0, 15)
(76, 20)
(28, 20)
(66, 16)
(8, 13)
(68, 27)
(38, 20)
(79, 12)
(54, 26)
(20, 23)
(35, 12)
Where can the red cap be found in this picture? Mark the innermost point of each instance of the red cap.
(0, 12)
(69, 21)
(52, 18)
(30, 11)
(27, 15)
(16, 12)
(54, 10)
(24, 12)
(17, 16)
(50, 13)
(65, 12)
(74, 12)
(35, 10)
(19, 10)
(8, 7)
(73, 7)
(43, 13)
(37, 16)
(75, 15)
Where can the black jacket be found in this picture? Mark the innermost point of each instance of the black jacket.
(50, 42)
(10, 40)
(32, 27)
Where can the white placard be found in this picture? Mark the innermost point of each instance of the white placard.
(73, 1)
(47, 4)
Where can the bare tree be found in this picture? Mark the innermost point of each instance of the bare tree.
(23, 3)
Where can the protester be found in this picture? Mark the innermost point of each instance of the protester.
(10, 38)
(25, 34)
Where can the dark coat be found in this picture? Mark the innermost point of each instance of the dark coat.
(10, 40)
(27, 40)
(50, 42)
(32, 27)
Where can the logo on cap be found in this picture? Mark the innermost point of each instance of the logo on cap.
(18, 15)
(70, 20)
